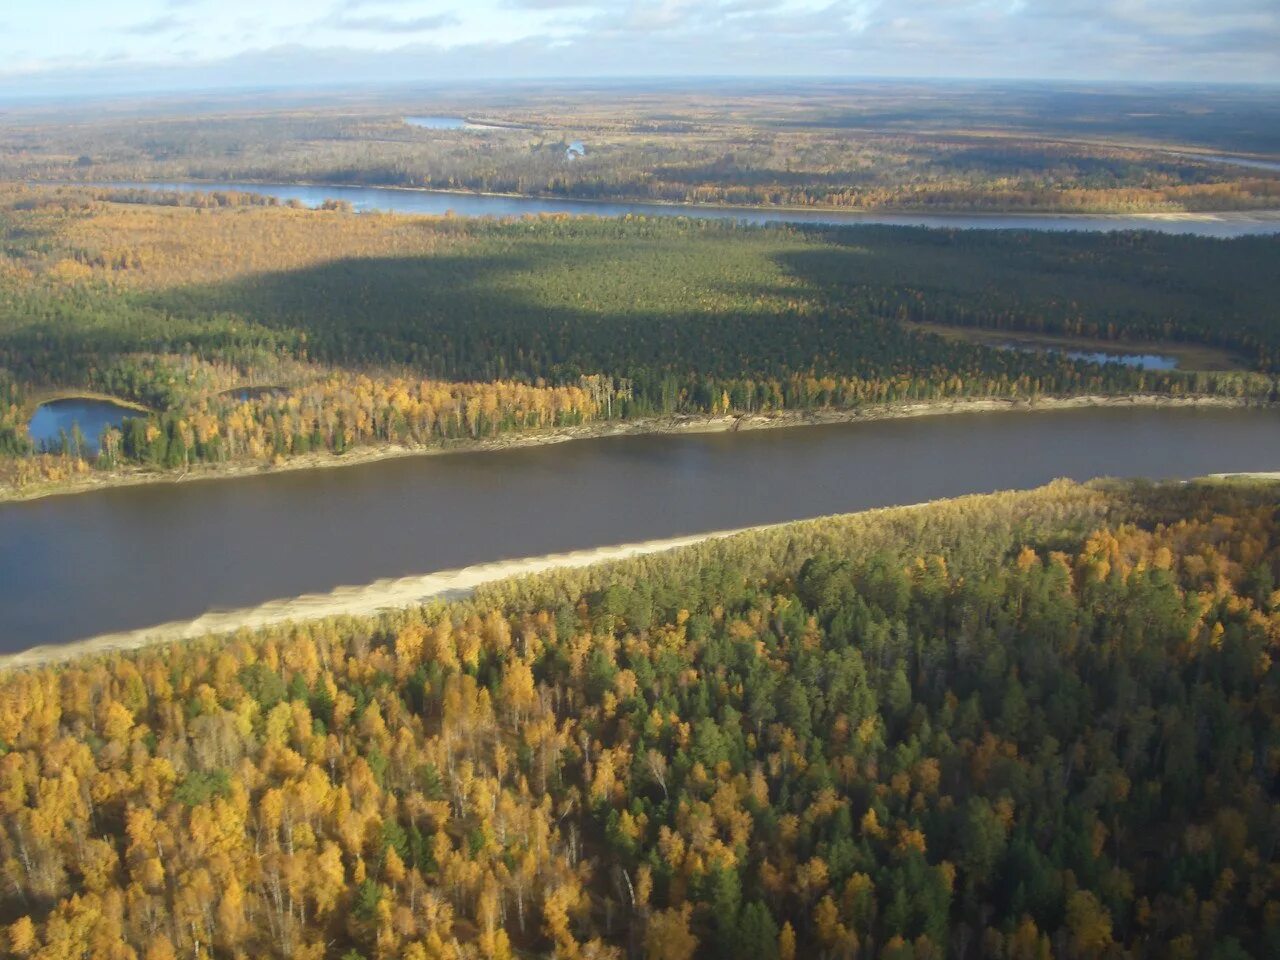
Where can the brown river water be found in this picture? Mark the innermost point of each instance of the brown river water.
(119, 559)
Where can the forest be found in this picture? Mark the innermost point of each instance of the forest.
(258, 332)
(869, 146)
(1024, 725)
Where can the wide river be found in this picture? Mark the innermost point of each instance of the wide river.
(78, 566)
(1223, 225)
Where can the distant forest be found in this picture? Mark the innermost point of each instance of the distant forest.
(873, 146)
(257, 332)
(1036, 725)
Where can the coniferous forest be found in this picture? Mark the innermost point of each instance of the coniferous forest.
(1038, 725)
(1022, 726)
(585, 688)
(255, 333)
(880, 145)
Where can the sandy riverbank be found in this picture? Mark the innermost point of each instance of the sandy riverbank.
(651, 425)
(352, 601)
(405, 592)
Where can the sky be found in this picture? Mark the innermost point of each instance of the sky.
(75, 47)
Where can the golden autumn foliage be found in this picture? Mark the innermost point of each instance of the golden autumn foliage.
(256, 334)
(863, 146)
(481, 780)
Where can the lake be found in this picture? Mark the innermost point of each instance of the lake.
(54, 419)
(1146, 361)
(389, 199)
(253, 393)
(450, 123)
(77, 566)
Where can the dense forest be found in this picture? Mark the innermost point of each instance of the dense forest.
(1037, 725)
(885, 146)
(258, 332)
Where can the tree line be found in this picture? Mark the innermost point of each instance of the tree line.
(1027, 725)
(535, 323)
(801, 158)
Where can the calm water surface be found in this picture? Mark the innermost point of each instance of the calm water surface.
(1221, 225)
(449, 123)
(76, 566)
(437, 123)
(55, 419)
(1145, 361)
(1252, 163)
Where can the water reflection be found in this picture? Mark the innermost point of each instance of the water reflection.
(75, 424)
(72, 567)
(1139, 361)
(390, 199)
(450, 123)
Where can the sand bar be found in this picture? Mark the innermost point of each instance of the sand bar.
(357, 601)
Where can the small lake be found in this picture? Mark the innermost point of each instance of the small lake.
(78, 566)
(252, 393)
(450, 123)
(55, 420)
(1143, 361)
(438, 203)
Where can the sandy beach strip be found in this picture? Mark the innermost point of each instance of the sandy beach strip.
(356, 601)
(647, 426)
(405, 592)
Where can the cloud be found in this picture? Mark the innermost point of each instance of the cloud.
(553, 4)
(373, 16)
(156, 26)
(385, 24)
(372, 41)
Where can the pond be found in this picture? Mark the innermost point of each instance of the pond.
(245, 394)
(438, 203)
(1144, 361)
(73, 567)
(450, 123)
(55, 422)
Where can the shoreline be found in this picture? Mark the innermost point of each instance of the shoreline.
(1190, 357)
(38, 398)
(649, 426)
(401, 593)
(853, 216)
(360, 601)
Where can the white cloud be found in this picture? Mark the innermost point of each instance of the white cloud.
(241, 40)
(371, 23)
(156, 25)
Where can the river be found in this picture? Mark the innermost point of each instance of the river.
(1221, 225)
(130, 557)
(1250, 163)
